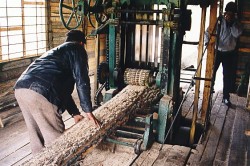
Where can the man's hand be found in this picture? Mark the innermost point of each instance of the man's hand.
(77, 118)
(93, 119)
(229, 17)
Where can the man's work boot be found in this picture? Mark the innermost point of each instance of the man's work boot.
(227, 102)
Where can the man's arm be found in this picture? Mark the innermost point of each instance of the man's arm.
(236, 29)
(71, 107)
(206, 37)
(79, 65)
(73, 110)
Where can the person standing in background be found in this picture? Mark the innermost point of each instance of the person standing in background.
(230, 30)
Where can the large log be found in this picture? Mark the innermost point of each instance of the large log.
(83, 136)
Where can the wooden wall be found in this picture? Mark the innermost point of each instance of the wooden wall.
(10, 71)
(244, 46)
(57, 33)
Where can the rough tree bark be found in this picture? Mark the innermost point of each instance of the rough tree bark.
(83, 136)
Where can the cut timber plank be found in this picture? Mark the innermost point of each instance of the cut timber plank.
(17, 156)
(187, 106)
(216, 129)
(148, 157)
(84, 135)
(238, 152)
(222, 153)
(20, 162)
(10, 112)
(15, 149)
(196, 154)
(163, 155)
(109, 154)
(14, 140)
(177, 156)
(169, 155)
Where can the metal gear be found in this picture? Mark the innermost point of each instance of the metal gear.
(102, 72)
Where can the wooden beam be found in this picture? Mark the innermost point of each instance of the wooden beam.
(11, 28)
(244, 50)
(198, 74)
(33, 3)
(210, 62)
(97, 58)
(23, 28)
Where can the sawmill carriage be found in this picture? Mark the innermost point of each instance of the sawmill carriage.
(143, 47)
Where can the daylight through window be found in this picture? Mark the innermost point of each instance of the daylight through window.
(22, 28)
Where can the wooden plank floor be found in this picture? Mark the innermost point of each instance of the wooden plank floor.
(225, 142)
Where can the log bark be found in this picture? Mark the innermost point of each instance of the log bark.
(83, 136)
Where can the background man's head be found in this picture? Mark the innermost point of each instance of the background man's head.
(75, 35)
(231, 7)
(230, 11)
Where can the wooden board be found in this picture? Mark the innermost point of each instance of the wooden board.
(238, 151)
(109, 154)
(209, 153)
(223, 150)
(197, 153)
(148, 157)
(167, 155)
(15, 149)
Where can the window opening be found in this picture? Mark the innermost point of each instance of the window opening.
(22, 29)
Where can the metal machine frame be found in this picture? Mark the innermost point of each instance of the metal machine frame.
(118, 20)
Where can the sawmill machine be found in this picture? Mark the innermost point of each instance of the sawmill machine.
(143, 47)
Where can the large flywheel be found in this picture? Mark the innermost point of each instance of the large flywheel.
(72, 13)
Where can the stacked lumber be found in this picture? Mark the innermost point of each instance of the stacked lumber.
(84, 136)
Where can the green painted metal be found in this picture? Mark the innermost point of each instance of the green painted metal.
(165, 59)
(138, 3)
(165, 110)
(149, 2)
(176, 49)
(111, 55)
(125, 2)
(148, 137)
(119, 142)
(171, 62)
(168, 76)
(162, 76)
(171, 82)
(108, 95)
(139, 119)
(128, 134)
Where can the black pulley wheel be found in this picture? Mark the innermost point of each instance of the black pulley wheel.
(100, 16)
(72, 13)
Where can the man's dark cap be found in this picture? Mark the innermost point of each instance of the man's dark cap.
(75, 35)
(231, 7)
